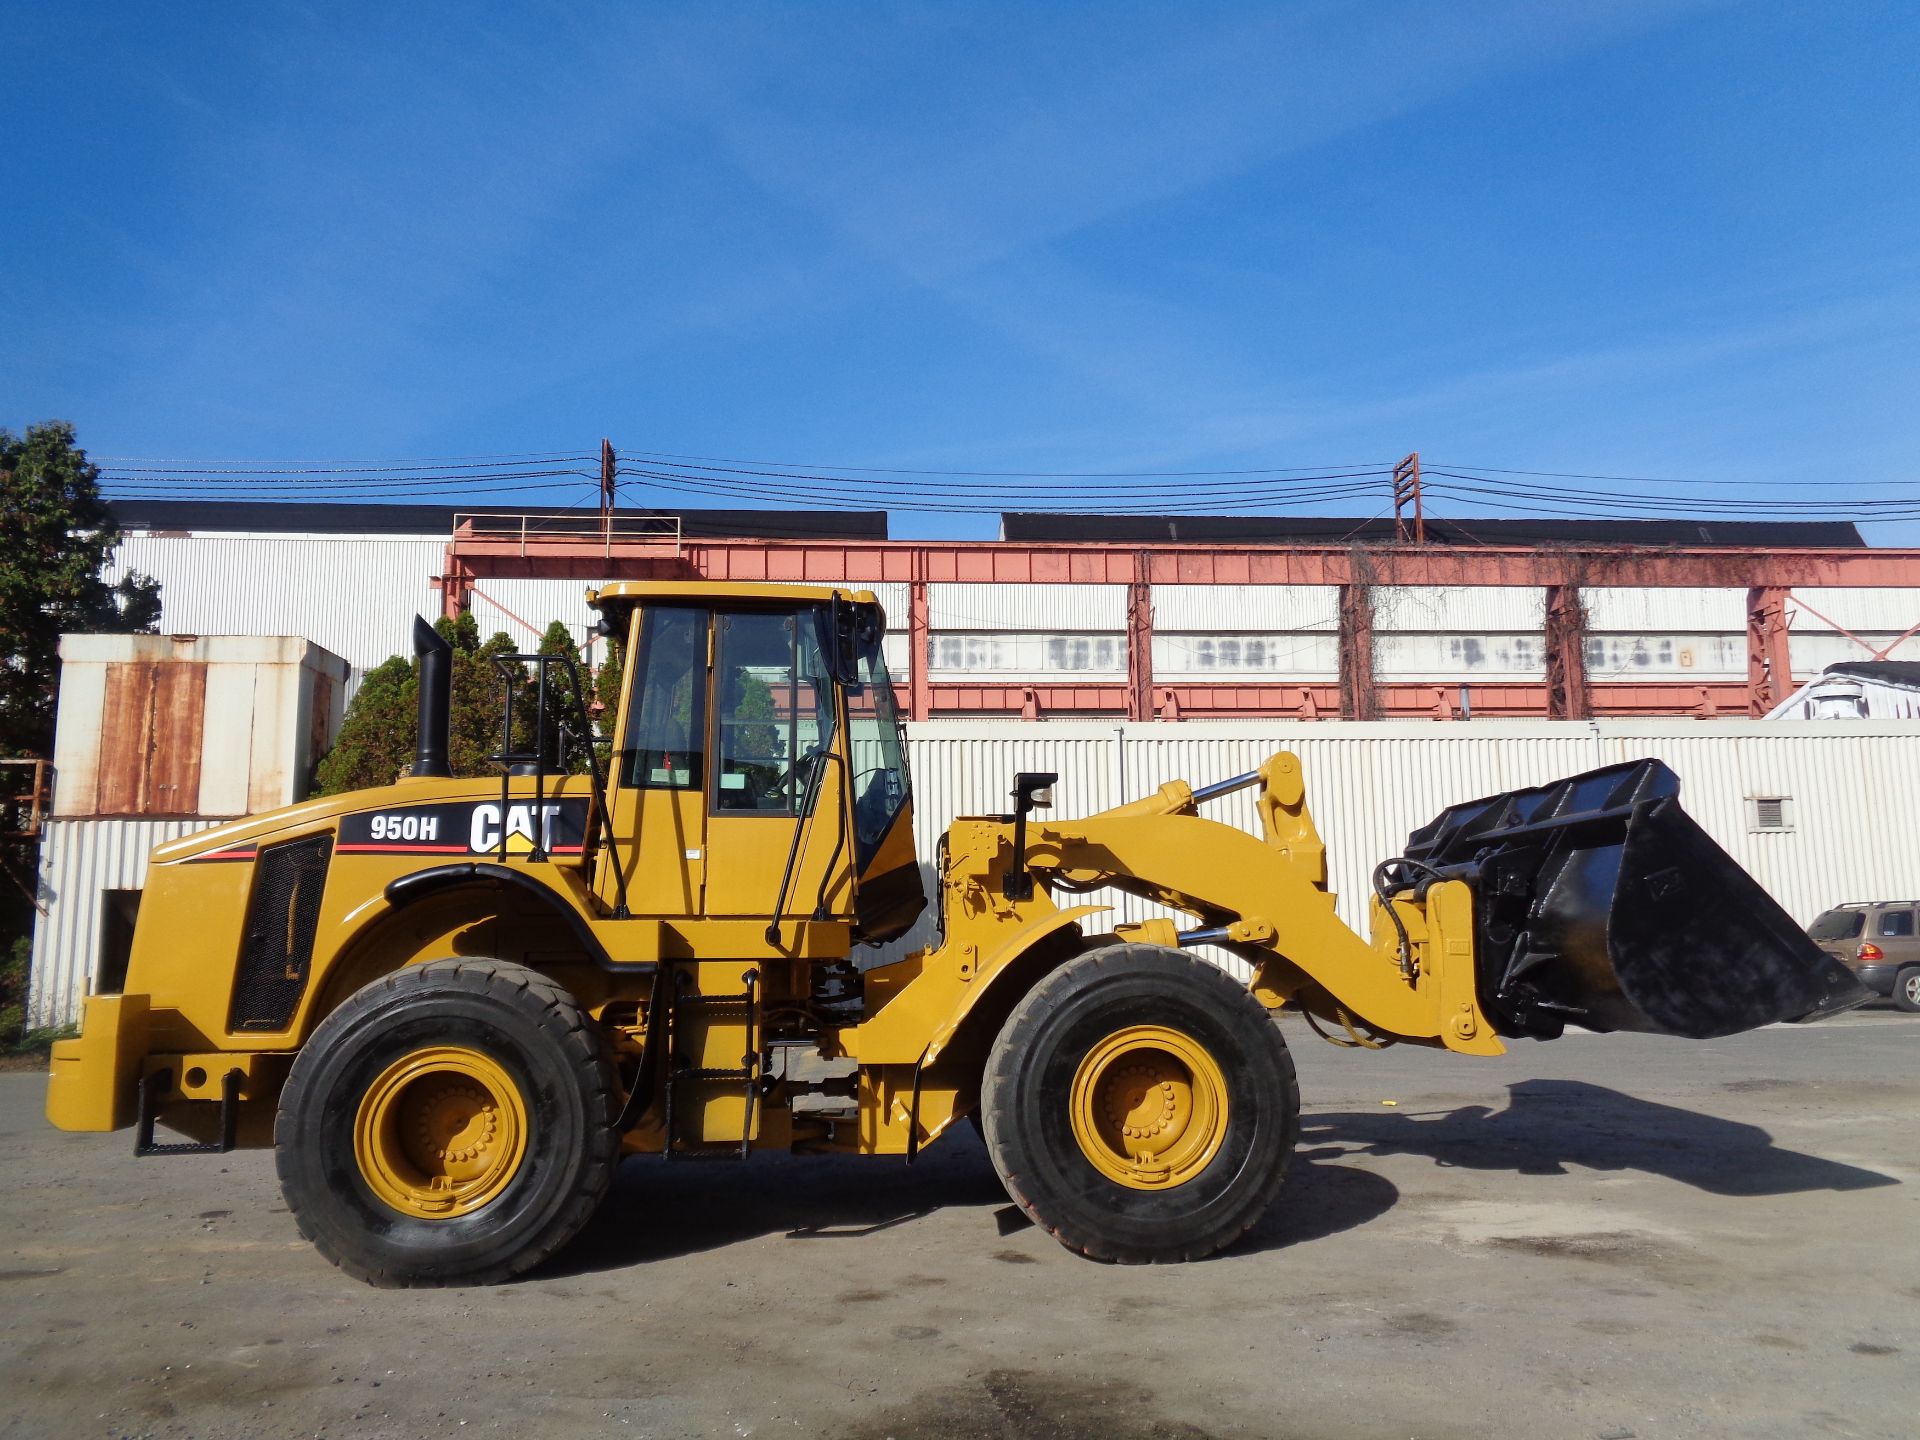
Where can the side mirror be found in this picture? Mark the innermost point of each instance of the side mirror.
(1033, 791)
(857, 630)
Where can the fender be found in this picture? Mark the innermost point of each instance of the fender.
(480, 874)
(899, 1033)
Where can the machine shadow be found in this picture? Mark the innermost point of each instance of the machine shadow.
(812, 1198)
(1551, 1124)
(834, 1197)
(1548, 1126)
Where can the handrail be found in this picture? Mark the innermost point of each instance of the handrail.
(533, 530)
(510, 671)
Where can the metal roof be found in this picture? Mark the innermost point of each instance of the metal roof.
(321, 518)
(1318, 529)
(1905, 673)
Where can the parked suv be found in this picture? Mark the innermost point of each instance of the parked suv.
(1879, 940)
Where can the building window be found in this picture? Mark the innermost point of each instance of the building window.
(1027, 656)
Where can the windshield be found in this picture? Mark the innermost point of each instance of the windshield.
(873, 722)
(1838, 925)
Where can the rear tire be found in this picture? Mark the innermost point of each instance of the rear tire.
(450, 1124)
(1141, 1106)
(1906, 989)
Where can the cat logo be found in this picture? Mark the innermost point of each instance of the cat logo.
(521, 831)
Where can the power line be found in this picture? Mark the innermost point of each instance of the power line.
(935, 491)
(1484, 470)
(1368, 467)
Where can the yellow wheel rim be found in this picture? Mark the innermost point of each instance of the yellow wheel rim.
(1149, 1107)
(440, 1133)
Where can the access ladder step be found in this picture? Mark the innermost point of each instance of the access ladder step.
(723, 1150)
(747, 1075)
(150, 1087)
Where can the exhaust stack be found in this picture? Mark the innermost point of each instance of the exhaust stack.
(436, 701)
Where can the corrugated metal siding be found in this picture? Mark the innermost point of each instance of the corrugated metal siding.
(1686, 610)
(1208, 609)
(1855, 787)
(356, 596)
(1890, 609)
(1026, 607)
(1854, 792)
(1454, 609)
(78, 860)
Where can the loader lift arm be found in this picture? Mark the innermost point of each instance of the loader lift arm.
(1265, 899)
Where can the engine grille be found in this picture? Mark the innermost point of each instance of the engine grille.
(282, 914)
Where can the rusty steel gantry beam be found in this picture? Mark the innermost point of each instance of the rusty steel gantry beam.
(1767, 574)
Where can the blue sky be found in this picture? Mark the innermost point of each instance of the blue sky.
(1650, 239)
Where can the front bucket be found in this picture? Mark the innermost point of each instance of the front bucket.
(1599, 903)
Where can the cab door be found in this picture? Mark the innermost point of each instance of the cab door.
(778, 767)
(659, 774)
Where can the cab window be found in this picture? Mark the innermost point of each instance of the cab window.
(665, 742)
(773, 701)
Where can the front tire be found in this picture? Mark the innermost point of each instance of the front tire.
(450, 1124)
(1906, 989)
(1141, 1106)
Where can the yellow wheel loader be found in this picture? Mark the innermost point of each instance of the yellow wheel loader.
(453, 1005)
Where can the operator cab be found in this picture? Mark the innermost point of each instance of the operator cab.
(758, 770)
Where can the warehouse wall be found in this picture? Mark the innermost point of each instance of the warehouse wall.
(1851, 791)
(356, 596)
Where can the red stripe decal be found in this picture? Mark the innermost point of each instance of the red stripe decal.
(403, 849)
(442, 850)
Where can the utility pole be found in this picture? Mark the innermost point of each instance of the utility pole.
(607, 487)
(1406, 494)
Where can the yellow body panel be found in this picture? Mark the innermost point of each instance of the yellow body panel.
(91, 1084)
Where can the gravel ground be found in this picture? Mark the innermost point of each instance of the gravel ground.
(1602, 1237)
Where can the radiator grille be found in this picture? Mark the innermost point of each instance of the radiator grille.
(282, 914)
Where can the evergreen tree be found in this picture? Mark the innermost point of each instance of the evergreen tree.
(56, 539)
(377, 737)
(558, 640)
(607, 681)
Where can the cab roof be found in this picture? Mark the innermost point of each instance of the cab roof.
(639, 591)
